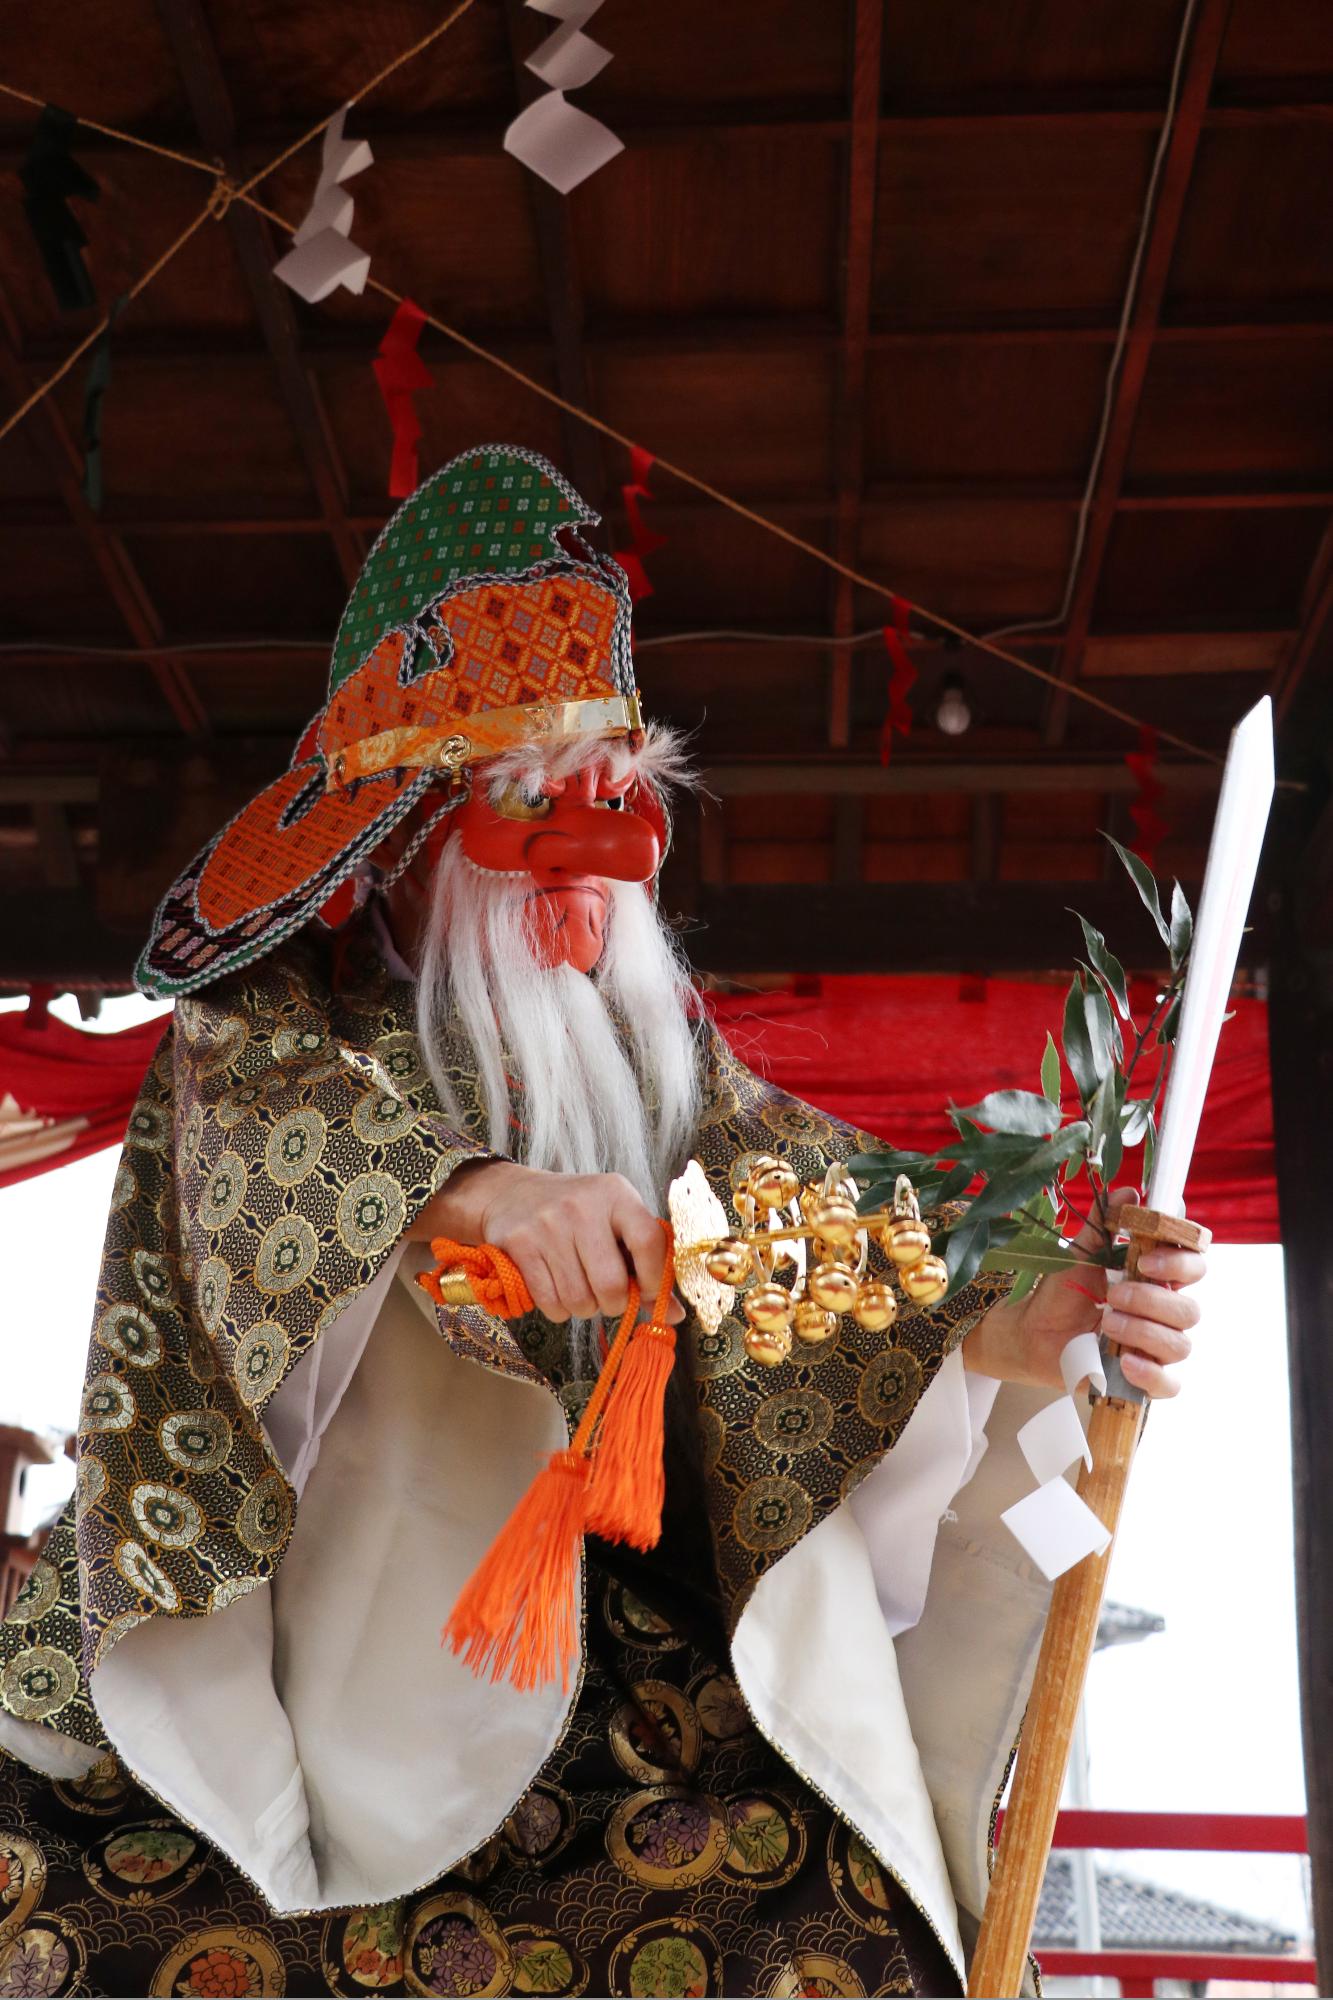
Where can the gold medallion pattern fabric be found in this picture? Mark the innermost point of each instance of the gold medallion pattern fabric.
(286, 1137)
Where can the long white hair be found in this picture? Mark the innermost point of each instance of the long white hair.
(579, 1073)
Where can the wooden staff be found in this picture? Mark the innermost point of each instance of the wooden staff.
(1062, 1664)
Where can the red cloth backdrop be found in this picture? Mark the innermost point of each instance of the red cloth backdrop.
(887, 1054)
(890, 1054)
(61, 1072)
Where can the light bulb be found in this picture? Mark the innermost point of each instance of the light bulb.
(953, 716)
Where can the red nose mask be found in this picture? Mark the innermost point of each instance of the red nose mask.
(574, 841)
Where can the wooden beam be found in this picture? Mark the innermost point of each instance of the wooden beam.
(187, 30)
(858, 247)
(746, 333)
(857, 927)
(916, 927)
(1177, 167)
(1299, 886)
(560, 281)
(911, 777)
(235, 514)
(1312, 640)
(123, 582)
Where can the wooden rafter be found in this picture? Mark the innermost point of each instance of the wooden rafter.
(858, 224)
(1315, 628)
(105, 545)
(191, 39)
(560, 280)
(1182, 148)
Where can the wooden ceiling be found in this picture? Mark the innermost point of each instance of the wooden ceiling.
(860, 265)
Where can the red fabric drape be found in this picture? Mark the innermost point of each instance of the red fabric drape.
(890, 1054)
(887, 1054)
(60, 1072)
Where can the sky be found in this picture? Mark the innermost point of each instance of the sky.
(1203, 1717)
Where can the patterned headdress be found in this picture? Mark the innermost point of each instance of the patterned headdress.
(472, 629)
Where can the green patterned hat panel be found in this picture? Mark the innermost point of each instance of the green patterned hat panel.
(491, 511)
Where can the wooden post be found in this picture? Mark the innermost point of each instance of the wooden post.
(1062, 1667)
(1301, 1042)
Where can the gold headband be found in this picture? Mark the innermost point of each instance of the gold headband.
(488, 732)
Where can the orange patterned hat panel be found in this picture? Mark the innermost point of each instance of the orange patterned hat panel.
(258, 860)
(546, 640)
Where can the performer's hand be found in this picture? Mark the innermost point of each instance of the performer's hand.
(576, 1238)
(1149, 1320)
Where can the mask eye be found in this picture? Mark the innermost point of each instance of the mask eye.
(513, 802)
(612, 805)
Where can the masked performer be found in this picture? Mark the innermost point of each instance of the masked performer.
(423, 992)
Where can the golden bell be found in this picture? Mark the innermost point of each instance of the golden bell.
(876, 1306)
(906, 1239)
(836, 1220)
(812, 1195)
(925, 1282)
(746, 1166)
(730, 1263)
(773, 1186)
(768, 1345)
(812, 1324)
(769, 1308)
(833, 1286)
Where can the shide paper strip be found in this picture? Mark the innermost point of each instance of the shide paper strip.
(1053, 1439)
(552, 137)
(322, 257)
(1055, 1528)
(561, 143)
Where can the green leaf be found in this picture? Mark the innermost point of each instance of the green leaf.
(1016, 1111)
(954, 1183)
(1050, 1070)
(1149, 1152)
(1024, 1282)
(1109, 966)
(1104, 1029)
(1170, 1024)
(1142, 877)
(1078, 1043)
(1013, 1257)
(1182, 927)
(880, 1165)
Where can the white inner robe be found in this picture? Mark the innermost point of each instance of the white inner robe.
(317, 1732)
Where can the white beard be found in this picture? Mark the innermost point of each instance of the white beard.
(579, 1074)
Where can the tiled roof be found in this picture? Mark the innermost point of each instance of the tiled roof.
(1139, 1916)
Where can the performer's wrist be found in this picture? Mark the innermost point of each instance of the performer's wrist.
(459, 1209)
(994, 1347)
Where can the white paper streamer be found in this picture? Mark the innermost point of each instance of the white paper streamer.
(1079, 1357)
(321, 257)
(1056, 1528)
(551, 136)
(1052, 1440)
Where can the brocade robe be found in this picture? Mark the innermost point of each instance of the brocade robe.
(274, 1680)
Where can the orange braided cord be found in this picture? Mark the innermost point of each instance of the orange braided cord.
(494, 1276)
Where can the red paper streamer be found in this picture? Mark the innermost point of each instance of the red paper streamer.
(898, 719)
(644, 541)
(399, 370)
(1150, 829)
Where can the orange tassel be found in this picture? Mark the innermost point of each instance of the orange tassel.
(518, 1613)
(628, 1476)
